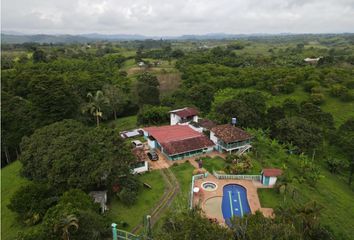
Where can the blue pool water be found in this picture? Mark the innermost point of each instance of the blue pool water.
(234, 202)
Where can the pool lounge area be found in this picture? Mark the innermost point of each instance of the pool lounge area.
(231, 198)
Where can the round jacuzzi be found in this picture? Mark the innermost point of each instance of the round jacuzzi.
(209, 186)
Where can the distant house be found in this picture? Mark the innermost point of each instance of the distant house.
(141, 64)
(183, 116)
(177, 141)
(101, 198)
(141, 165)
(312, 60)
(269, 176)
(229, 138)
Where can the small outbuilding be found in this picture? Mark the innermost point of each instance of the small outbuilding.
(100, 197)
(183, 116)
(269, 176)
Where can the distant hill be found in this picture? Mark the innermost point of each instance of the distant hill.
(16, 37)
(43, 38)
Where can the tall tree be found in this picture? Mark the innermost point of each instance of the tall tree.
(69, 155)
(116, 98)
(202, 95)
(17, 120)
(148, 89)
(298, 131)
(53, 98)
(249, 109)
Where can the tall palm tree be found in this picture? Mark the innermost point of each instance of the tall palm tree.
(95, 105)
(65, 224)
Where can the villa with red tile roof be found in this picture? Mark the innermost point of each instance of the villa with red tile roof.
(183, 116)
(178, 141)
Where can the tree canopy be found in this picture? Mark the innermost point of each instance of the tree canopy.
(67, 155)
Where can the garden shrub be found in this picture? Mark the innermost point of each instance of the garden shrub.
(127, 196)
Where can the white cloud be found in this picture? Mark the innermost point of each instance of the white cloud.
(166, 17)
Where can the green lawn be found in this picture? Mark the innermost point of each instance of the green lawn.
(10, 182)
(268, 197)
(184, 173)
(216, 164)
(147, 199)
(123, 123)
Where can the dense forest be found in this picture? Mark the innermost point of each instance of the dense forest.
(62, 105)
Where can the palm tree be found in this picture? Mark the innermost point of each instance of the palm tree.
(65, 224)
(95, 105)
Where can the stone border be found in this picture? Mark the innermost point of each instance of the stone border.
(211, 190)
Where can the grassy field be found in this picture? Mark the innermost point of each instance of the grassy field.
(123, 123)
(269, 198)
(341, 111)
(10, 182)
(147, 199)
(337, 199)
(183, 173)
(216, 164)
(332, 194)
(169, 82)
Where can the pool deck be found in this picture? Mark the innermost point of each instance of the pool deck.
(210, 201)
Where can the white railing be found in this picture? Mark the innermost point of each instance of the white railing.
(194, 177)
(240, 177)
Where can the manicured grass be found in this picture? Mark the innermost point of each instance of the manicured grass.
(10, 182)
(216, 164)
(123, 123)
(268, 197)
(183, 173)
(147, 199)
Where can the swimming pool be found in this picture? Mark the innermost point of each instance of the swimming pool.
(234, 202)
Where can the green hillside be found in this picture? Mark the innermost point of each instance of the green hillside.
(10, 182)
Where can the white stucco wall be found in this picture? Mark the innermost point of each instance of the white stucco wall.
(272, 180)
(213, 137)
(174, 119)
(142, 169)
(199, 129)
(151, 143)
(195, 118)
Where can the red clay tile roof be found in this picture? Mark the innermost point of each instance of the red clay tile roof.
(206, 123)
(179, 138)
(186, 145)
(229, 133)
(172, 133)
(185, 112)
(272, 172)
